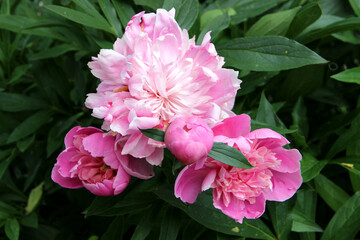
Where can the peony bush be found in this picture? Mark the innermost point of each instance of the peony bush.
(128, 119)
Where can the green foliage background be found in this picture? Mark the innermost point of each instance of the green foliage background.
(299, 62)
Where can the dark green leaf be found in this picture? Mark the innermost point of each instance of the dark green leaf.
(267, 115)
(5, 163)
(115, 230)
(204, 212)
(310, 166)
(339, 26)
(144, 227)
(350, 76)
(251, 8)
(257, 125)
(273, 24)
(110, 14)
(12, 229)
(124, 11)
(56, 51)
(29, 126)
(267, 53)
(80, 17)
(170, 224)
(30, 220)
(18, 72)
(7, 211)
(331, 193)
(229, 155)
(153, 133)
(280, 217)
(24, 144)
(187, 13)
(153, 4)
(12, 102)
(306, 16)
(346, 139)
(346, 221)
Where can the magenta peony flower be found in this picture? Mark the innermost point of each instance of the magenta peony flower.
(238, 192)
(190, 140)
(89, 161)
(155, 74)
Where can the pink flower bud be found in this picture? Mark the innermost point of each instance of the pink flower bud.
(189, 139)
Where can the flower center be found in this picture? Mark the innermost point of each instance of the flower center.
(94, 170)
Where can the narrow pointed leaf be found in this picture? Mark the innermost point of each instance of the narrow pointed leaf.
(229, 155)
(155, 134)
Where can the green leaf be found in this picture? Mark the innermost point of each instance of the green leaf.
(153, 133)
(187, 13)
(7, 211)
(13, 102)
(110, 14)
(257, 125)
(115, 229)
(355, 4)
(124, 11)
(12, 229)
(251, 8)
(346, 139)
(89, 8)
(53, 52)
(216, 25)
(29, 126)
(24, 144)
(34, 198)
(345, 224)
(310, 166)
(331, 193)
(80, 17)
(5, 163)
(169, 4)
(339, 26)
(305, 17)
(204, 212)
(170, 224)
(281, 218)
(30, 220)
(144, 227)
(116, 206)
(273, 24)
(153, 4)
(302, 223)
(266, 113)
(209, 16)
(267, 53)
(229, 155)
(18, 72)
(350, 76)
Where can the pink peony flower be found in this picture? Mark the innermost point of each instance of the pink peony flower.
(155, 74)
(89, 161)
(237, 192)
(190, 140)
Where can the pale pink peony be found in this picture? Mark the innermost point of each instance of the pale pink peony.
(155, 74)
(238, 192)
(89, 161)
(189, 139)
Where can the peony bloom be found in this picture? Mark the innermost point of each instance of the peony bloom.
(190, 140)
(155, 74)
(89, 161)
(237, 192)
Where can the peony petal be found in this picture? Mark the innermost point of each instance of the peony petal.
(156, 157)
(104, 188)
(99, 145)
(121, 181)
(65, 161)
(238, 209)
(290, 159)
(284, 186)
(69, 138)
(233, 127)
(265, 133)
(65, 182)
(189, 183)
